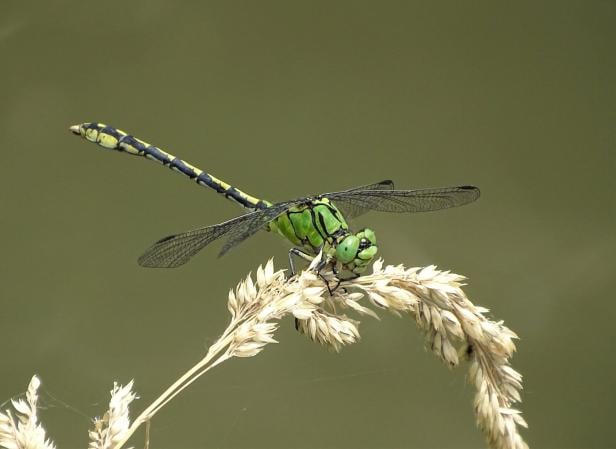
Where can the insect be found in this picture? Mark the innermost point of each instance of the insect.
(315, 224)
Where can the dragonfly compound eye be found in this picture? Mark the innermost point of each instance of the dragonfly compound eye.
(347, 249)
(367, 234)
(366, 255)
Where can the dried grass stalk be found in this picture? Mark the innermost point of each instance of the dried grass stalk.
(113, 426)
(452, 325)
(23, 431)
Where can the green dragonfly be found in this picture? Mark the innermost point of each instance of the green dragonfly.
(314, 224)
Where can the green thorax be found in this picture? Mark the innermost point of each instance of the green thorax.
(312, 225)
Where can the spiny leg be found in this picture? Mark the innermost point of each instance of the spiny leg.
(341, 279)
(307, 257)
(298, 253)
(335, 271)
(350, 278)
(320, 266)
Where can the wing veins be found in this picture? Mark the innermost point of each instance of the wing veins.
(357, 201)
(176, 250)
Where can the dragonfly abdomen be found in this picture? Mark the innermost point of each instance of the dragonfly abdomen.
(116, 139)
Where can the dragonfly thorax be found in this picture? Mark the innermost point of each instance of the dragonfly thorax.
(318, 224)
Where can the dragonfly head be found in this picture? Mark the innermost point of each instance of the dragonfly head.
(356, 251)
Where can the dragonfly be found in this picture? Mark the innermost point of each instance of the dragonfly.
(313, 225)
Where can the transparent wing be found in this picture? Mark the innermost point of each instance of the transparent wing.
(387, 184)
(176, 250)
(355, 202)
(351, 208)
(256, 223)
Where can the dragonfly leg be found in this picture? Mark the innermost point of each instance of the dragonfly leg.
(307, 257)
(336, 272)
(340, 279)
(329, 289)
(350, 278)
(323, 262)
(298, 253)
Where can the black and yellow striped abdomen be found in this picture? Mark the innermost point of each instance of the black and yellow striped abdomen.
(115, 139)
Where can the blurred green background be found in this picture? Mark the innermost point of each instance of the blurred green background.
(292, 98)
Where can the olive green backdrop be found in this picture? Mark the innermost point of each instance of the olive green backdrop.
(293, 98)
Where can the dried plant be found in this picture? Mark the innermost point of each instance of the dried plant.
(23, 431)
(454, 325)
(113, 426)
(451, 323)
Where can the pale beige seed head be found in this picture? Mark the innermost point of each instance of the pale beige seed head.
(115, 423)
(22, 430)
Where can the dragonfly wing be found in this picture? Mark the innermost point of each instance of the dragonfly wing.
(175, 250)
(359, 201)
(387, 184)
(255, 223)
(350, 205)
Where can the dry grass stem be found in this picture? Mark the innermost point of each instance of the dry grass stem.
(452, 324)
(22, 431)
(113, 426)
